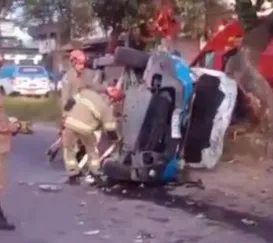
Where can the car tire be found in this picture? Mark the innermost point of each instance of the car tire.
(130, 57)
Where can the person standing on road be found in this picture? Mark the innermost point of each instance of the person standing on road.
(89, 113)
(7, 129)
(76, 79)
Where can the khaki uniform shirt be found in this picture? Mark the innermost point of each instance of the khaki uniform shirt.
(72, 83)
(5, 139)
(90, 113)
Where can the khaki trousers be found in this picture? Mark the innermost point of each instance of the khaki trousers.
(70, 139)
(3, 172)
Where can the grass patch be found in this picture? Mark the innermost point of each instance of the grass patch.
(34, 109)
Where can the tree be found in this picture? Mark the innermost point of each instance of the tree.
(74, 17)
(198, 16)
(121, 15)
(257, 90)
(5, 6)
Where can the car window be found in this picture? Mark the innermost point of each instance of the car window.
(7, 71)
(30, 70)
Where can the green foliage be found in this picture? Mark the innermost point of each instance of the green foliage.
(196, 16)
(122, 14)
(115, 13)
(34, 109)
(75, 17)
(5, 6)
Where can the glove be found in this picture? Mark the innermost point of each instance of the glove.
(115, 94)
(69, 105)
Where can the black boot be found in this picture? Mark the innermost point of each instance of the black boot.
(74, 180)
(4, 225)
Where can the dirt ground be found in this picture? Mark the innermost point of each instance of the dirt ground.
(242, 181)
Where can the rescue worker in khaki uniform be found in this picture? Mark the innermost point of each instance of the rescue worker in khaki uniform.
(78, 77)
(90, 113)
(85, 112)
(7, 129)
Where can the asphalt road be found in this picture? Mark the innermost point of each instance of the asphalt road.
(84, 215)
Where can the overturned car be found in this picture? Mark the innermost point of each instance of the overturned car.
(172, 116)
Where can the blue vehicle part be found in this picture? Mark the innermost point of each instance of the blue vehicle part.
(182, 73)
(6, 74)
(148, 153)
(7, 71)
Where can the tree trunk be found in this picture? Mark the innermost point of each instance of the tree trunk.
(246, 14)
(258, 91)
(114, 39)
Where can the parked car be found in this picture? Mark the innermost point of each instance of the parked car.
(6, 73)
(31, 80)
(6, 86)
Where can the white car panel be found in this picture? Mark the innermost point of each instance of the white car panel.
(6, 84)
(29, 86)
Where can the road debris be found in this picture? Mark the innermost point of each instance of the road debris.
(190, 203)
(142, 185)
(50, 188)
(200, 216)
(108, 190)
(83, 203)
(92, 192)
(92, 232)
(198, 184)
(124, 191)
(89, 180)
(22, 183)
(143, 235)
(248, 222)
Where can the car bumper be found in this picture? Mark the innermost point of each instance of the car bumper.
(38, 92)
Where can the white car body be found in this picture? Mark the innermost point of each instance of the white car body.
(32, 84)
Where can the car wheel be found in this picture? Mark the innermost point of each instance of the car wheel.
(131, 57)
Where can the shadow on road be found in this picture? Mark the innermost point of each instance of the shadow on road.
(161, 196)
